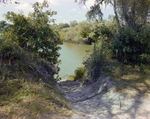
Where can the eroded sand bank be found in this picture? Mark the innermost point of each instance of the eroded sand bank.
(100, 100)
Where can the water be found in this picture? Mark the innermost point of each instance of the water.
(72, 56)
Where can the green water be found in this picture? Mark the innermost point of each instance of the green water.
(72, 56)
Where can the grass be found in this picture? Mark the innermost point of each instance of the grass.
(22, 99)
(127, 78)
(28, 90)
(27, 86)
(79, 75)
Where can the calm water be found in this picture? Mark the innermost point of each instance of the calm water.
(72, 56)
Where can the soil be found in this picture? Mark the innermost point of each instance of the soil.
(100, 100)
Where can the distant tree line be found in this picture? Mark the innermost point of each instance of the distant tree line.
(75, 32)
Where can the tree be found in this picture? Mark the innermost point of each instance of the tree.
(71, 34)
(131, 43)
(133, 12)
(2, 24)
(62, 25)
(84, 29)
(73, 23)
(34, 33)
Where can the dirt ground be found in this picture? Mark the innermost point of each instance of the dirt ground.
(100, 100)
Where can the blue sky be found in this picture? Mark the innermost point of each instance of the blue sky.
(67, 10)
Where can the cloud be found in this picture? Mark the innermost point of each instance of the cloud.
(52, 2)
(25, 7)
(80, 13)
(60, 17)
(64, 20)
(70, 17)
(74, 9)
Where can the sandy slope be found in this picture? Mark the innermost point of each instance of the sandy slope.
(100, 101)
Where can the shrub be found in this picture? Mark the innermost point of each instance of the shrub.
(95, 61)
(34, 33)
(16, 63)
(133, 47)
(79, 72)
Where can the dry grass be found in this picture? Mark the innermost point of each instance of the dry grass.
(22, 99)
(128, 78)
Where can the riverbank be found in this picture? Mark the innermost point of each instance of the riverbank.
(28, 90)
(86, 42)
(20, 99)
(121, 92)
(101, 100)
(27, 86)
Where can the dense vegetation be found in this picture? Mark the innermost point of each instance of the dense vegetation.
(124, 37)
(4, 26)
(28, 88)
(29, 54)
(75, 32)
(28, 63)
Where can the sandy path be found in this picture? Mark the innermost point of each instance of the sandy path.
(100, 101)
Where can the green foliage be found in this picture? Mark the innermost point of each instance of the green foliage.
(34, 33)
(28, 63)
(133, 13)
(104, 29)
(4, 26)
(86, 32)
(95, 61)
(62, 25)
(105, 33)
(16, 63)
(133, 47)
(79, 73)
(84, 29)
(73, 23)
(71, 35)
(77, 33)
(63, 33)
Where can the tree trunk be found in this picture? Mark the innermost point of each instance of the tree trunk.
(116, 16)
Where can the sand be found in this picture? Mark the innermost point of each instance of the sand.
(100, 100)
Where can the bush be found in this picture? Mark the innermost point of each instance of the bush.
(133, 47)
(95, 61)
(16, 63)
(79, 72)
(34, 33)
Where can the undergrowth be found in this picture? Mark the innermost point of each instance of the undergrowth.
(23, 99)
(79, 73)
(127, 77)
(27, 86)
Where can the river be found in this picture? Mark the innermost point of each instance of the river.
(72, 56)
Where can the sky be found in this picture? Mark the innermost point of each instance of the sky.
(67, 10)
